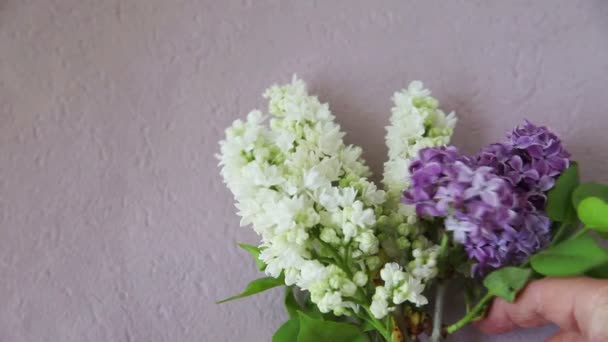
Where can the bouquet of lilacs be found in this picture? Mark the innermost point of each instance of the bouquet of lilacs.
(359, 263)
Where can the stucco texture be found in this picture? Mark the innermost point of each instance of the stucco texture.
(114, 222)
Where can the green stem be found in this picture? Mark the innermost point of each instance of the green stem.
(341, 263)
(467, 301)
(348, 251)
(360, 297)
(559, 232)
(444, 244)
(471, 314)
(377, 324)
(579, 233)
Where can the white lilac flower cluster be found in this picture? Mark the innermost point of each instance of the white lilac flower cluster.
(321, 220)
(306, 194)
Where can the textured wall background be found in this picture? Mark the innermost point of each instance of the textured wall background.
(114, 223)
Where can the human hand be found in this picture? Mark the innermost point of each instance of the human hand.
(579, 306)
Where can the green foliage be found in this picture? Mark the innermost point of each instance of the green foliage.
(471, 291)
(593, 212)
(367, 326)
(591, 202)
(291, 305)
(318, 330)
(569, 258)
(559, 200)
(311, 309)
(507, 281)
(255, 253)
(288, 332)
(600, 272)
(587, 190)
(256, 286)
(458, 260)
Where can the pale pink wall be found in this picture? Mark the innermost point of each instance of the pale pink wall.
(114, 223)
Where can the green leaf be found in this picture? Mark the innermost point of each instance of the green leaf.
(569, 258)
(586, 190)
(288, 332)
(256, 286)
(367, 326)
(559, 199)
(459, 260)
(561, 231)
(312, 310)
(507, 281)
(593, 212)
(317, 330)
(291, 305)
(255, 253)
(600, 272)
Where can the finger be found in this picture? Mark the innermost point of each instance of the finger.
(566, 336)
(574, 304)
(502, 318)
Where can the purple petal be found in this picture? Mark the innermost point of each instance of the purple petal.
(516, 163)
(546, 183)
(490, 197)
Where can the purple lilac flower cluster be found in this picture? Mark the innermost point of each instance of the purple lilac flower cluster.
(493, 202)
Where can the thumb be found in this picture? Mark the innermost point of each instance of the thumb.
(576, 305)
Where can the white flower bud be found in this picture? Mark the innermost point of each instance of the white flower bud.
(373, 262)
(403, 229)
(360, 279)
(329, 235)
(348, 288)
(417, 253)
(368, 243)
